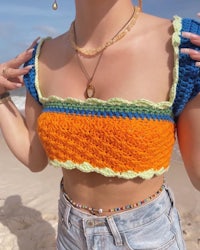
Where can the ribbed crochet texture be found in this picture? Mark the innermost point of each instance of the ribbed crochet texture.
(117, 137)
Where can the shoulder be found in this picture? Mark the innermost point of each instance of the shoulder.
(154, 23)
(48, 53)
(54, 52)
(53, 46)
(48, 46)
(31, 78)
(155, 30)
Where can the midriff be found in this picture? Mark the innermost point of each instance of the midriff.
(97, 191)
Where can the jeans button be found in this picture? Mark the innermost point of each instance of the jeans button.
(90, 223)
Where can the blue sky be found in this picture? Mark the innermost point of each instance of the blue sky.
(21, 21)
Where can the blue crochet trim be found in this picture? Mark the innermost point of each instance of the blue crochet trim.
(29, 79)
(158, 117)
(189, 75)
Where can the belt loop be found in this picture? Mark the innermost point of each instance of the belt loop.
(170, 194)
(66, 215)
(171, 199)
(114, 230)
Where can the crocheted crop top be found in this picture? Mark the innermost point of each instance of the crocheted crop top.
(117, 137)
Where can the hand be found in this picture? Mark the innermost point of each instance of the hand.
(195, 39)
(11, 75)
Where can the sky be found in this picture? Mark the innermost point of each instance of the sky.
(21, 21)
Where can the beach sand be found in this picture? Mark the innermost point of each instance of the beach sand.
(28, 204)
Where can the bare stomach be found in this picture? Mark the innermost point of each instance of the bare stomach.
(96, 191)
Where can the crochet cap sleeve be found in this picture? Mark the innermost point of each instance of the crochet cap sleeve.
(31, 79)
(189, 75)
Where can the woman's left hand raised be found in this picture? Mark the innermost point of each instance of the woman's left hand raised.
(195, 39)
(11, 72)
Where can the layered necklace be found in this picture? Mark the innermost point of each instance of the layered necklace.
(93, 52)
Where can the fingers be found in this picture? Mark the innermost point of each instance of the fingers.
(194, 54)
(194, 38)
(20, 59)
(23, 57)
(9, 85)
(13, 77)
(11, 73)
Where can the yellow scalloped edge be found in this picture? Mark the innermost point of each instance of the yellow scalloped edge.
(176, 40)
(37, 84)
(88, 168)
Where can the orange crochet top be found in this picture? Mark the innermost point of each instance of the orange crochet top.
(116, 137)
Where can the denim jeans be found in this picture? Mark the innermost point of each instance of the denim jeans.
(153, 226)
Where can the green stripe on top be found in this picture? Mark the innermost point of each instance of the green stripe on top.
(120, 109)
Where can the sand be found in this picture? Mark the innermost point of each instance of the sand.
(28, 204)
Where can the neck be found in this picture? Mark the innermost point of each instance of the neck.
(98, 20)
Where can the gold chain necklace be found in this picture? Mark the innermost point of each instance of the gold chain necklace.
(118, 36)
(90, 89)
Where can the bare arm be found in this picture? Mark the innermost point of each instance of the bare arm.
(188, 130)
(188, 127)
(20, 132)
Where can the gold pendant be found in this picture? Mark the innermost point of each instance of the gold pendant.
(90, 91)
(54, 5)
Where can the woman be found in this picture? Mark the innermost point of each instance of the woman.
(104, 105)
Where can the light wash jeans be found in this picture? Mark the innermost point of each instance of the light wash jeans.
(153, 226)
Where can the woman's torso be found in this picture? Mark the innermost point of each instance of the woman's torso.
(140, 66)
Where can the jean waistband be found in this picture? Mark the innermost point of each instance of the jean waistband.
(141, 215)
